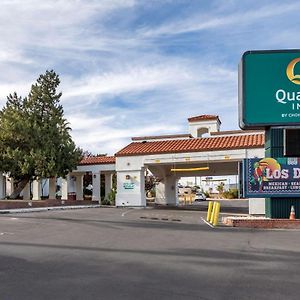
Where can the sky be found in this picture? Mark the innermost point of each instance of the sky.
(136, 68)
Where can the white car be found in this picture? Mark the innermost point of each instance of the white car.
(200, 196)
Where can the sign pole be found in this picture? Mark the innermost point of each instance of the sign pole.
(274, 147)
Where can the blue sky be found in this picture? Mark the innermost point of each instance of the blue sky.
(132, 68)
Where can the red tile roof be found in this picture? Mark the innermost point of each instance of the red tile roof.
(204, 118)
(194, 145)
(98, 160)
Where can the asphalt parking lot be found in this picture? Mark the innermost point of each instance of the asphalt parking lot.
(109, 253)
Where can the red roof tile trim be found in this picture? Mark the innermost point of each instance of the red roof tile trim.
(203, 118)
(161, 137)
(98, 160)
(194, 145)
(233, 132)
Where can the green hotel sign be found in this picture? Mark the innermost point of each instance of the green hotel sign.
(269, 89)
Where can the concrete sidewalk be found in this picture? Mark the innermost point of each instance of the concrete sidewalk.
(38, 209)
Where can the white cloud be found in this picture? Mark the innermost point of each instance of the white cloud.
(32, 28)
(132, 79)
(207, 21)
(120, 81)
(39, 35)
(175, 96)
(99, 133)
(22, 89)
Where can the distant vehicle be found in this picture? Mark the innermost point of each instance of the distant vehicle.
(184, 190)
(200, 196)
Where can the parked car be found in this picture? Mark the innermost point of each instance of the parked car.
(200, 196)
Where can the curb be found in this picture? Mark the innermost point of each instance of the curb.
(261, 222)
(40, 209)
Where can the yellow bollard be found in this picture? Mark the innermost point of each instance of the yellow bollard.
(209, 210)
(216, 216)
(213, 213)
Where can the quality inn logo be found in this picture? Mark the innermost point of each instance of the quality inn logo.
(290, 98)
(290, 71)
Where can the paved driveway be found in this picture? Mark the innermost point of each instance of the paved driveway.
(109, 253)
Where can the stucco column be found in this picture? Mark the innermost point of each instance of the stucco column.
(52, 188)
(171, 190)
(26, 192)
(64, 188)
(176, 192)
(9, 186)
(166, 191)
(108, 183)
(2, 186)
(79, 187)
(36, 190)
(160, 197)
(96, 187)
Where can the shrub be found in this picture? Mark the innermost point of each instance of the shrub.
(111, 198)
(231, 194)
(207, 194)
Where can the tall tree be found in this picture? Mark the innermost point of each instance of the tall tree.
(35, 140)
